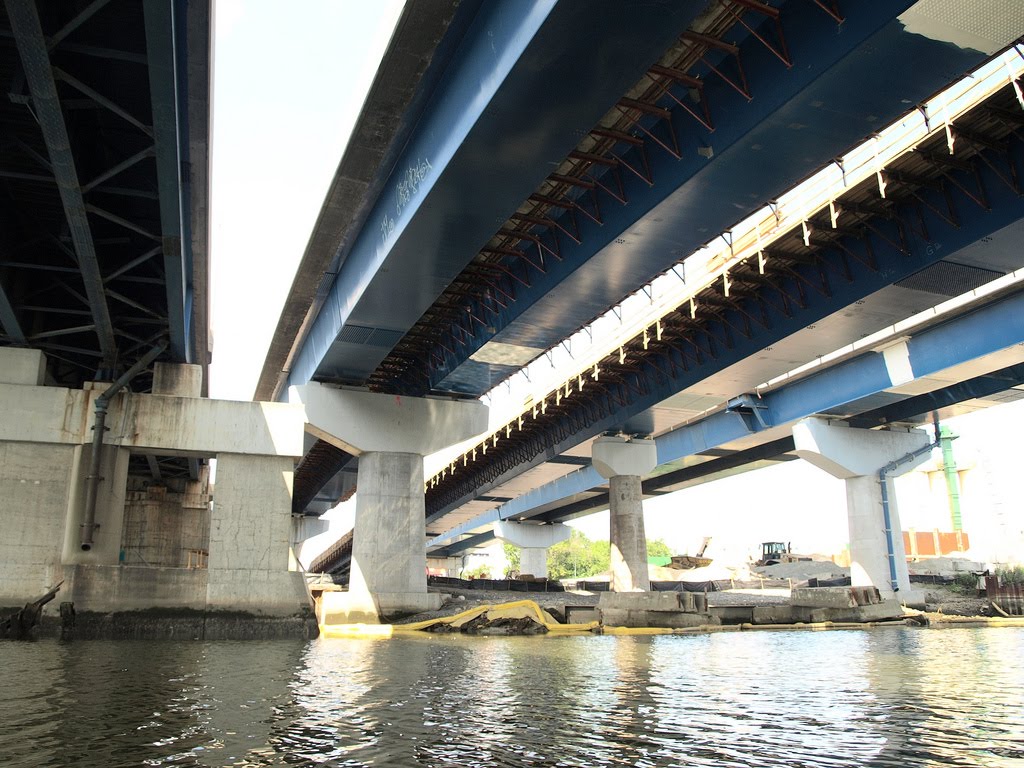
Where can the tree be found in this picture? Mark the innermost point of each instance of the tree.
(513, 555)
(577, 557)
(658, 548)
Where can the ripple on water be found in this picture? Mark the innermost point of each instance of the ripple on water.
(893, 697)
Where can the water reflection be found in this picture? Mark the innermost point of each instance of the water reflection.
(889, 697)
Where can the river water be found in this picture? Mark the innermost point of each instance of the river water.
(884, 697)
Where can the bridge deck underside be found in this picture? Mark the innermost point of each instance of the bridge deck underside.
(739, 341)
(96, 231)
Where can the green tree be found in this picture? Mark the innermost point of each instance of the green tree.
(658, 548)
(577, 557)
(513, 556)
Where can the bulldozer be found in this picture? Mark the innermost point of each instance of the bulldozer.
(774, 552)
(686, 562)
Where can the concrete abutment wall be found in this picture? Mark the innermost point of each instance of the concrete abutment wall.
(148, 528)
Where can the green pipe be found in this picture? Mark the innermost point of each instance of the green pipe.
(946, 438)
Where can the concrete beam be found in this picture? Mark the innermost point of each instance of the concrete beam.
(361, 422)
(157, 424)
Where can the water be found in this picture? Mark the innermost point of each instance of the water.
(887, 697)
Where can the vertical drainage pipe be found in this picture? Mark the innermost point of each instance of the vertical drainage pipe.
(883, 473)
(92, 480)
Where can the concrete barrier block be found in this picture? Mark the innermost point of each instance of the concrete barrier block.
(834, 597)
(641, 601)
(773, 614)
(661, 619)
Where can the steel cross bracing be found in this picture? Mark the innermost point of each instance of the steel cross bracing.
(96, 249)
(659, 134)
(933, 205)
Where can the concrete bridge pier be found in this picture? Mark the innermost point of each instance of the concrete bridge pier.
(150, 543)
(391, 435)
(623, 461)
(856, 455)
(533, 541)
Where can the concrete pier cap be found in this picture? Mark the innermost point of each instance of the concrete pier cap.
(531, 534)
(621, 455)
(846, 452)
(533, 540)
(363, 422)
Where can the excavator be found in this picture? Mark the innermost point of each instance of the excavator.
(686, 562)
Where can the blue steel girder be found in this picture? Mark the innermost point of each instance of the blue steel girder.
(920, 222)
(168, 82)
(772, 452)
(649, 196)
(40, 77)
(518, 92)
(983, 386)
(980, 331)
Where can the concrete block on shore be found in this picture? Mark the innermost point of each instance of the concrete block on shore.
(773, 614)
(688, 602)
(834, 597)
(581, 614)
(672, 610)
(733, 614)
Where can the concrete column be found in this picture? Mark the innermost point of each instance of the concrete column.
(624, 462)
(856, 456)
(389, 559)
(627, 535)
(391, 435)
(249, 531)
(533, 561)
(533, 541)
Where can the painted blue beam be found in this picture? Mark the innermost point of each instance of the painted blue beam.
(839, 91)
(979, 332)
(912, 238)
(985, 385)
(519, 92)
(35, 59)
(169, 136)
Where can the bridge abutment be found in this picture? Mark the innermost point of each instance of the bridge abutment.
(877, 556)
(623, 462)
(170, 553)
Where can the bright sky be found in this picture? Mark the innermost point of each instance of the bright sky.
(289, 81)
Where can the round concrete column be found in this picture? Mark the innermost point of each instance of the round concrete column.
(624, 461)
(856, 456)
(628, 539)
(534, 561)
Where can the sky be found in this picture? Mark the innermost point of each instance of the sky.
(289, 79)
